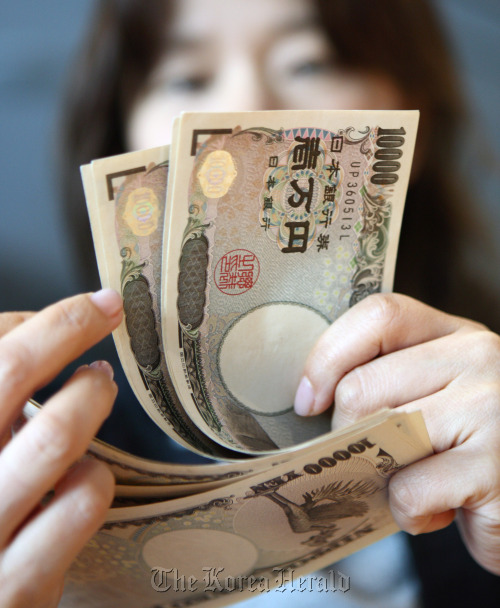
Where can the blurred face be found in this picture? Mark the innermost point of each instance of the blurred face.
(236, 55)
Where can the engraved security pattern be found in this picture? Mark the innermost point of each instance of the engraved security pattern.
(192, 281)
(140, 323)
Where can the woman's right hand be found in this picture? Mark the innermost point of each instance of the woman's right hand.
(39, 541)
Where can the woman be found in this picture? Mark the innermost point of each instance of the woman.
(132, 79)
(143, 63)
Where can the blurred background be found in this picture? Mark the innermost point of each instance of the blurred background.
(37, 43)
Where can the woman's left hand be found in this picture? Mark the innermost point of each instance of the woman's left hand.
(52, 502)
(392, 351)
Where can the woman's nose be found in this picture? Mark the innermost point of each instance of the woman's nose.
(243, 87)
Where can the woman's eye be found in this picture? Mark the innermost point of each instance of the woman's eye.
(188, 84)
(311, 67)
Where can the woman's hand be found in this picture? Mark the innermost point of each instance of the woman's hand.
(392, 351)
(38, 542)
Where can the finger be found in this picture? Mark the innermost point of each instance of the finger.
(426, 493)
(32, 463)
(35, 352)
(10, 320)
(458, 412)
(44, 549)
(378, 325)
(18, 596)
(454, 415)
(4, 440)
(416, 372)
(438, 521)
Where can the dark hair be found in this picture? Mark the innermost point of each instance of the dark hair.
(123, 43)
(401, 38)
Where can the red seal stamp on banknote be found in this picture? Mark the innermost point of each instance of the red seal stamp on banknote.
(236, 272)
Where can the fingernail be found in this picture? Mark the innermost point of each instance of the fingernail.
(304, 398)
(108, 301)
(103, 366)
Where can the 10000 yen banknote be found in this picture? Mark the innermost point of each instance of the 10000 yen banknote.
(126, 203)
(142, 477)
(328, 501)
(276, 223)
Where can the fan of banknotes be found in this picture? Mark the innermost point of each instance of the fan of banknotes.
(234, 248)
